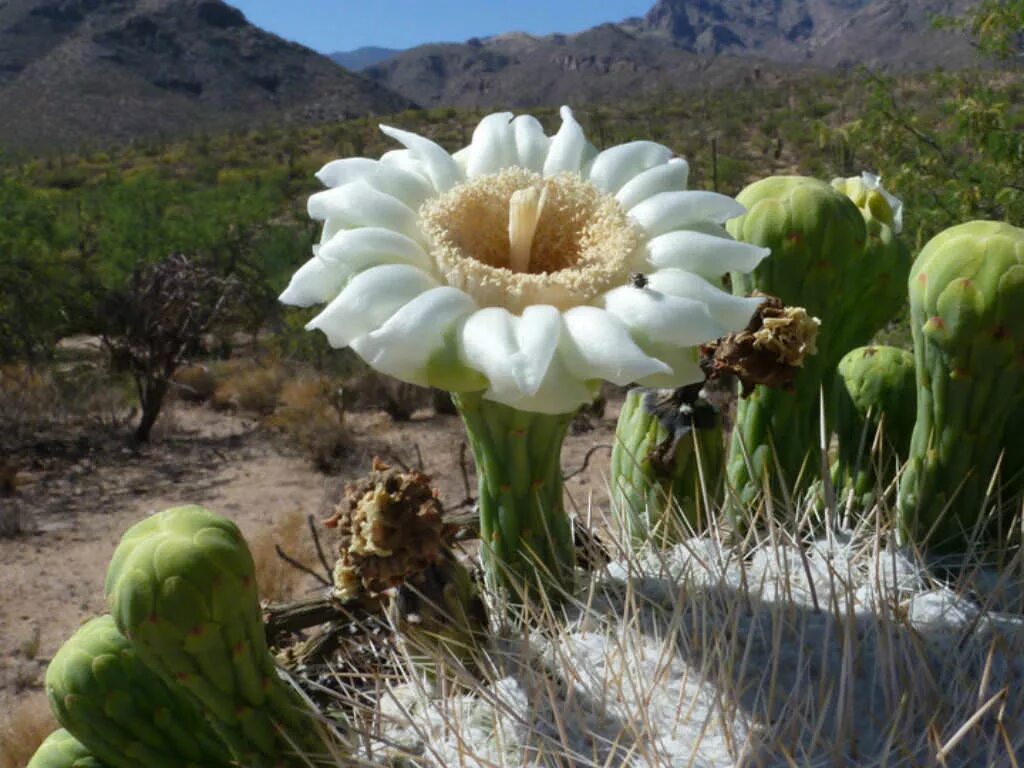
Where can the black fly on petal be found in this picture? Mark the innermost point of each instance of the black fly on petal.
(638, 279)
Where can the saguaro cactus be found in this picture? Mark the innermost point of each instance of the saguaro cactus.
(120, 710)
(62, 750)
(181, 587)
(666, 463)
(874, 393)
(967, 318)
(817, 236)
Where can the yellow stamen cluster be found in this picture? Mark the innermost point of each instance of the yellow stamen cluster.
(514, 238)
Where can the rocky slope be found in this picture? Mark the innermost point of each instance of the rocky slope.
(679, 44)
(102, 71)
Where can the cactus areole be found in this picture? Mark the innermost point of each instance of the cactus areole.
(967, 319)
(506, 273)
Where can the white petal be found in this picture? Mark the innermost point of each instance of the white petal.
(731, 312)
(706, 255)
(439, 166)
(313, 283)
(662, 178)
(369, 300)
(559, 392)
(597, 345)
(410, 188)
(404, 160)
(568, 147)
(615, 166)
(682, 361)
(360, 205)
(404, 344)
(531, 143)
(675, 210)
(354, 250)
(656, 317)
(492, 147)
(512, 352)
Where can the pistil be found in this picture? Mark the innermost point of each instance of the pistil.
(524, 210)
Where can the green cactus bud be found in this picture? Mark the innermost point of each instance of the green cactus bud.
(884, 266)
(817, 237)
(967, 319)
(666, 464)
(874, 394)
(62, 750)
(182, 588)
(442, 618)
(120, 710)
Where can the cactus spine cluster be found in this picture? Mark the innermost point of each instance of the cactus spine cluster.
(874, 396)
(181, 586)
(121, 711)
(666, 464)
(967, 319)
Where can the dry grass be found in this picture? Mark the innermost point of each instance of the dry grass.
(22, 730)
(277, 580)
(248, 385)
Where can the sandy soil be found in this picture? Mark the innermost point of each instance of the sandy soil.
(88, 488)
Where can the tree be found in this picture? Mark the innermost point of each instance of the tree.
(156, 322)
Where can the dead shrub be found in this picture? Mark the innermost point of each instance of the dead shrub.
(23, 728)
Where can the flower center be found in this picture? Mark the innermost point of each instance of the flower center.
(514, 238)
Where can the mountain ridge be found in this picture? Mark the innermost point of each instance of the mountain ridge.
(86, 71)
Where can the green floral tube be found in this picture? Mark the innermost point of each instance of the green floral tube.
(526, 536)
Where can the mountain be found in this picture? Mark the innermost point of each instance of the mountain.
(104, 71)
(678, 44)
(363, 57)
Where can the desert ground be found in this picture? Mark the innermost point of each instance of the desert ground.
(83, 490)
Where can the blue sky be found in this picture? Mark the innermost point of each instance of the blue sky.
(342, 25)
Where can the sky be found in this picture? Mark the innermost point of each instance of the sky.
(343, 25)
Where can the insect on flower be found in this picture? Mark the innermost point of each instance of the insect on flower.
(638, 279)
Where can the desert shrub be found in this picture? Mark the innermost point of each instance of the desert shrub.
(194, 383)
(310, 413)
(373, 391)
(248, 385)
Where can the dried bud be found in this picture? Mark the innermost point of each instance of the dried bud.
(391, 529)
(769, 351)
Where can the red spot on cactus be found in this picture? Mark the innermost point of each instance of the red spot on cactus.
(153, 619)
(1000, 332)
(794, 237)
(922, 278)
(937, 323)
(965, 282)
(238, 648)
(197, 631)
(504, 487)
(537, 484)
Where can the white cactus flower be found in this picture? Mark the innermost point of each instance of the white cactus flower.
(510, 266)
(873, 182)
